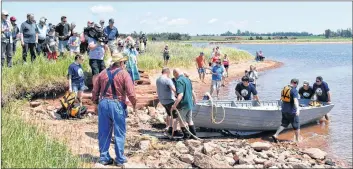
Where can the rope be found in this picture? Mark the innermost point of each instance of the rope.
(213, 119)
(186, 127)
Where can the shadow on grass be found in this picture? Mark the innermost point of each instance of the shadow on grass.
(89, 158)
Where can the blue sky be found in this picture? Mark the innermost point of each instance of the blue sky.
(194, 17)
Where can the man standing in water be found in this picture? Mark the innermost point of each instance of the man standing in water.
(110, 89)
(244, 89)
(200, 65)
(186, 98)
(322, 92)
(290, 109)
(217, 73)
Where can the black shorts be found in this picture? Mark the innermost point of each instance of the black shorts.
(226, 66)
(209, 64)
(166, 57)
(167, 109)
(290, 118)
(96, 66)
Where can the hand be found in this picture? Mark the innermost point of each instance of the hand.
(297, 113)
(22, 44)
(70, 90)
(173, 108)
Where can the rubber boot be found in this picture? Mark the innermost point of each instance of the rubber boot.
(193, 131)
(185, 132)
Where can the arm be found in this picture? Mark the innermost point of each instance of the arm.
(194, 96)
(21, 36)
(96, 90)
(70, 87)
(296, 102)
(254, 92)
(328, 93)
(130, 90)
(180, 92)
(92, 45)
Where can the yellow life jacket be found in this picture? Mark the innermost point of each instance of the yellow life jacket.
(285, 94)
(68, 100)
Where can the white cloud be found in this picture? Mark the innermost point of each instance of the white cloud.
(213, 20)
(98, 9)
(178, 22)
(163, 19)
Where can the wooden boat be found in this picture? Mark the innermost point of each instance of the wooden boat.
(252, 115)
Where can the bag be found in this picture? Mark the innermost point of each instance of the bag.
(285, 94)
(69, 109)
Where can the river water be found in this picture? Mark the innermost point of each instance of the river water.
(306, 61)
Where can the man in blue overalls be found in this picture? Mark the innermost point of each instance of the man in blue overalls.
(111, 88)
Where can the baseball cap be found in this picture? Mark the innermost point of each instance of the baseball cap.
(101, 21)
(42, 19)
(294, 80)
(111, 20)
(89, 22)
(245, 79)
(13, 18)
(306, 83)
(201, 53)
(4, 13)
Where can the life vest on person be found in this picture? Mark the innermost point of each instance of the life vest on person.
(285, 94)
(68, 107)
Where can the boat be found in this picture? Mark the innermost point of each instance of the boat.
(252, 115)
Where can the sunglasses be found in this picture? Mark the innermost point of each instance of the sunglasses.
(318, 81)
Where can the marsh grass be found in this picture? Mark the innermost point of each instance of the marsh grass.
(25, 146)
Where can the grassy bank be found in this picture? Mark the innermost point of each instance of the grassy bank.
(23, 146)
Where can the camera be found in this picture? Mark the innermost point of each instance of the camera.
(97, 34)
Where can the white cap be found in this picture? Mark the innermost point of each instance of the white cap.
(4, 13)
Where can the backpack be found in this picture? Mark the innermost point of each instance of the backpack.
(285, 94)
(69, 109)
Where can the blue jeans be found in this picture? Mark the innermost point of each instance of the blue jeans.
(78, 87)
(111, 115)
(63, 45)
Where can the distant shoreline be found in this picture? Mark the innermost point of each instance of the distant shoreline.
(269, 42)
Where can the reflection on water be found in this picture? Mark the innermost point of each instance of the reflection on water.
(306, 61)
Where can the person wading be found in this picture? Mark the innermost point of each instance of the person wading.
(322, 92)
(244, 89)
(6, 39)
(29, 37)
(217, 73)
(200, 65)
(186, 99)
(290, 109)
(165, 91)
(111, 88)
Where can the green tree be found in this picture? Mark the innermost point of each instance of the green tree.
(327, 33)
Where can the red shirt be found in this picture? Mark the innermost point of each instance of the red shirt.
(215, 58)
(123, 86)
(200, 61)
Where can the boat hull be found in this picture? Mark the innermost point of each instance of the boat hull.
(247, 119)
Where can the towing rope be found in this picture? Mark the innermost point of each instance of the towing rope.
(186, 126)
(214, 113)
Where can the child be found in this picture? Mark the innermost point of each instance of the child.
(52, 44)
(76, 77)
(74, 43)
(226, 63)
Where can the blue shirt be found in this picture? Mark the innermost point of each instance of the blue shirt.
(111, 33)
(29, 30)
(98, 52)
(321, 91)
(183, 85)
(219, 70)
(76, 72)
(246, 91)
(289, 107)
(6, 25)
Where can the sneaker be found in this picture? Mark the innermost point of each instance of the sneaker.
(121, 165)
(109, 162)
(178, 134)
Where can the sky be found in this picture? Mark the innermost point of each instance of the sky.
(194, 17)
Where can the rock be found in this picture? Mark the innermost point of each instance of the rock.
(39, 110)
(187, 158)
(330, 162)
(259, 161)
(192, 143)
(144, 118)
(230, 160)
(175, 163)
(260, 166)
(194, 150)
(293, 160)
(203, 161)
(34, 103)
(50, 108)
(249, 159)
(236, 159)
(306, 157)
(261, 154)
(268, 164)
(135, 165)
(218, 157)
(259, 146)
(180, 146)
(271, 154)
(152, 112)
(300, 165)
(273, 167)
(207, 148)
(244, 166)
(315, 153)
(160, 119)
(144, 145)
(318, 166)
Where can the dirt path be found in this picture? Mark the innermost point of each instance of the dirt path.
(81, 135)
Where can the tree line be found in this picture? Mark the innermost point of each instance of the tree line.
(161, 36)
(248, 33)
(346, 33)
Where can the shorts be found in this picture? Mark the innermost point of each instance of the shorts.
(96, 66)
(216, 85)
(167, 109)
(209, 64)
(290, 118)
(226, 66)
(166, 57)
(201, 70)
(112, 46)
(78, 87)
(63, 45)
(186, 114)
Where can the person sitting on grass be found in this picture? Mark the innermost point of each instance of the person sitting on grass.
(76, 77)
(74, 43)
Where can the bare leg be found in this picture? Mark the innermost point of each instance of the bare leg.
(203, 77)
(297, 135)
(279, 130)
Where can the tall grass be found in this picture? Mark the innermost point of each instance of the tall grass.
(23, 146)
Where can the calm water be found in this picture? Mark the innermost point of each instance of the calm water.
(306, 61)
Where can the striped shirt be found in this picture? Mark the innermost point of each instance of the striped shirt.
(123, 85)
